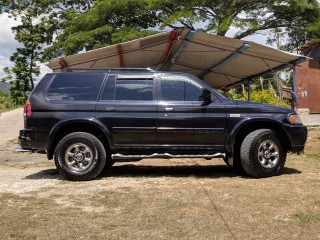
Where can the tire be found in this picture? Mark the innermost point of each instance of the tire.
(80, 156)
(262, 154)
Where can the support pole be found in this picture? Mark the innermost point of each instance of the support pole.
(249, 91)
(294, 89)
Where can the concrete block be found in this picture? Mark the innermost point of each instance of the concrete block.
(303, 111)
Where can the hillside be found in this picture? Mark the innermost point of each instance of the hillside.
(4, 87)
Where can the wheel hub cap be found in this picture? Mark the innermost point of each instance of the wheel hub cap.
(268, 154)
(78, 157)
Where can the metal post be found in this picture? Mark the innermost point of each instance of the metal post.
(294, 88)
(249, 91)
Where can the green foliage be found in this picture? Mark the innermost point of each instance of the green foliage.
(6, 102)
(249, 16)
(260, 96)
(39, 23)
(108, 22)
(112, 21)
(54, 28)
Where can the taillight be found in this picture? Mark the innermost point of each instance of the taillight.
(27, 109)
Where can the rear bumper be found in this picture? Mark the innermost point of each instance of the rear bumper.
(27, 138)
(298, 136)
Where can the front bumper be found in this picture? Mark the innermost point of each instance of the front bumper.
(297, 135)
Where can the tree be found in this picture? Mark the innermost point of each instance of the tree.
(108, 22)
(53, 28)
(39, 22)
(249, 17)
(109, 18)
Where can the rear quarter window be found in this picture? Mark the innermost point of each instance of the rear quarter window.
(75, 87)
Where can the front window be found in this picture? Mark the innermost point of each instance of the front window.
(180, 88)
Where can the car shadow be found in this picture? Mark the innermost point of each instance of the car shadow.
(45, 174)
(131, 170)
(216, 171)
(181, 171)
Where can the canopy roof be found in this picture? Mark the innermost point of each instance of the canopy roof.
(219, 61)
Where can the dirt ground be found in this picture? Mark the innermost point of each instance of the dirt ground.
(159, 199)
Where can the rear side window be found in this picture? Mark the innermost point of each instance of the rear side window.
(75, 87)
(128, 89)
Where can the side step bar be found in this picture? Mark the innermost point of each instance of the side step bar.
(119, 156)
(23, 150)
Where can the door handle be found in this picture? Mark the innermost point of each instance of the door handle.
(169, 109)
(109, 109)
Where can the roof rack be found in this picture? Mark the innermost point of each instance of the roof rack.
(113, 69)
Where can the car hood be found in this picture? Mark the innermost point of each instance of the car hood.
(261, 107)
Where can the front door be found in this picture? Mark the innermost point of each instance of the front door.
(184, 120)
(175, 116)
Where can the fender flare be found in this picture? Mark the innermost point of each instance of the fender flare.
(245, 122)
(59, 125)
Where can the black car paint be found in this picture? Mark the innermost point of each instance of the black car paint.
(154, 125)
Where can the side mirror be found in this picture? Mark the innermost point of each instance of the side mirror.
(206, 96)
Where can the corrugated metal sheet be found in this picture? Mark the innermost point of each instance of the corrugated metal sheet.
(219, 61)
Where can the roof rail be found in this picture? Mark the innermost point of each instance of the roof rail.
(112, 69)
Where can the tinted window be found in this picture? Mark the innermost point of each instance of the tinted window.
(179, 88)
(134, 89)
(75, 87)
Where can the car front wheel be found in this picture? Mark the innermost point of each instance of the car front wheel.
(262, 153)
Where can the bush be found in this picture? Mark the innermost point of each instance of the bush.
(260, 96)
(6, 102)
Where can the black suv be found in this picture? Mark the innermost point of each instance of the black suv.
(88, 120)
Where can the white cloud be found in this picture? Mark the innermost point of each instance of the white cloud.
(7, 42)
(43, 70)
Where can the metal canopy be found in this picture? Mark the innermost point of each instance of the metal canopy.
(219, 61)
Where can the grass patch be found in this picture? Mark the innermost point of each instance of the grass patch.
(308, 217)
(313, 155)
(161, 201)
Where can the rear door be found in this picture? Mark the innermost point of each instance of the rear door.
(127, 107)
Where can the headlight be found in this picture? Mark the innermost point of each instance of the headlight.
(294, 118)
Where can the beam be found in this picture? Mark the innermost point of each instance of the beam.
(180, 50)
(189, 36)
(63, 65)
(119, 49)
(225, 61)
(167, 51)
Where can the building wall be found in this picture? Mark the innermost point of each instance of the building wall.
(308, 83)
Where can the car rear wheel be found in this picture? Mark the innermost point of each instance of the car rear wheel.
(80, 156)
(262, 153)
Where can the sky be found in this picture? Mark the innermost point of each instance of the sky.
(8, 44)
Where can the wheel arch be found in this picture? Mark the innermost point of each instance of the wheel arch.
(64, 128)
(240, 131)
